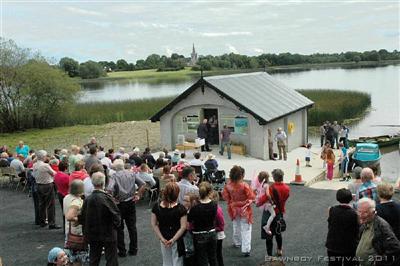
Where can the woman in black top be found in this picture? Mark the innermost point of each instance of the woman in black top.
(343, 228)
(202, 216)
(168, 220)
(389, 209)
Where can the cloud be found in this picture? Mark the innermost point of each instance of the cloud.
(232, 49)
(82, 11)
(168, 51)
(98, 23)
(225, 34)
(258, 50)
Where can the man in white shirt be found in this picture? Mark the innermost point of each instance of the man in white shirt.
(18, 165)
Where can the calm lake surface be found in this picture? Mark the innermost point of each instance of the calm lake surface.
(383, 83)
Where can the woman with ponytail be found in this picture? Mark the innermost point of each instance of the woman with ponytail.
(202, 216)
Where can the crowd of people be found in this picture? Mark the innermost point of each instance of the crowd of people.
(98, 197)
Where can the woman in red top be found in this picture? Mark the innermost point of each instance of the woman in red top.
(61, 180)
(239, 198)
(282, 191)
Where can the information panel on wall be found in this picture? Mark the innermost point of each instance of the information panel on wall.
(241, 125)
(237, 124)
(192, 122)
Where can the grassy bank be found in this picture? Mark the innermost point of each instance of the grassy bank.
(152, 75)
(336, 105)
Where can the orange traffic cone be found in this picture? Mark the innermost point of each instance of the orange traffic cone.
(297, 178)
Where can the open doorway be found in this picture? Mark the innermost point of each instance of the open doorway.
(211, 114)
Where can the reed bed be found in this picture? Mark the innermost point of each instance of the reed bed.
(336, 105)
(97, 113)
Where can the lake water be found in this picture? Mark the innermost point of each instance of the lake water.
(382, 83)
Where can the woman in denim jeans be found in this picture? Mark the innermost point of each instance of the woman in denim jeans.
(202, 216)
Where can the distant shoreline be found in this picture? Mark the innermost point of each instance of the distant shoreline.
(187, 74)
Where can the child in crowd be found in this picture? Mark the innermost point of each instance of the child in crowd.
(308, 154)
(263, 179)
(323, 153)
(219, 227)
(343, 162)
(189, 200)
(330, 161)
(57, 257)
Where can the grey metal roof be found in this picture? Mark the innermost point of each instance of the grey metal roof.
(259, 92)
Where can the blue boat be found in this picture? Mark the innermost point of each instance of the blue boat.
(367, 155)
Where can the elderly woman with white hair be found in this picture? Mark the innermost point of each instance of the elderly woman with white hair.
(378, 244)
(123, 187)
(44, 177)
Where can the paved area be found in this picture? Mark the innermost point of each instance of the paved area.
(253, 166)
(22, 243)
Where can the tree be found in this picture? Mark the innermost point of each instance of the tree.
(153, 61)
(90, 70)
(12, 58)
(46, 91)
(70, 66)
(122, 65)
(32, 92)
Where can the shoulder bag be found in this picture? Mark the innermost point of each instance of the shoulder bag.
(280, 222)
(75, 242)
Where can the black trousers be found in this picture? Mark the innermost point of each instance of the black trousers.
(220, 258)
(339, 259)
(205, 249)
(269, 243)
(205, 147)
(46, 203)
(35, 198)
(128, 214)
(110, 249)
(61, 200)
(322, 140)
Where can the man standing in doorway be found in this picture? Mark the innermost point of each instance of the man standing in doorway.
(213, 130)
(280, 139)
(226, 141)
(202, 132)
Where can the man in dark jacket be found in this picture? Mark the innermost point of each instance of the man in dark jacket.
(100, 218)
(202, 132)
(378, 244)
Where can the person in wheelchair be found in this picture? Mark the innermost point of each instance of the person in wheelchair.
(211, 168)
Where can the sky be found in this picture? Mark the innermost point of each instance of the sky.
(110, 30)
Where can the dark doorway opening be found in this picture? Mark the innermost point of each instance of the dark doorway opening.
(212, 122)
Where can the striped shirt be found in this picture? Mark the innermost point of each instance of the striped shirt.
(123, 187)
(369, 190)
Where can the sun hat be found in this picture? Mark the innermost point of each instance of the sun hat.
(176, 151)
(210, 156)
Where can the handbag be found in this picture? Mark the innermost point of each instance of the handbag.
(75, 242)
(280, 222)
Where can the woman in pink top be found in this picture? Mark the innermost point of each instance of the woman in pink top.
(61, 180)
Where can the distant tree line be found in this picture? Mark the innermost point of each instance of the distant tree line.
(236, 61)
(91, 69)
